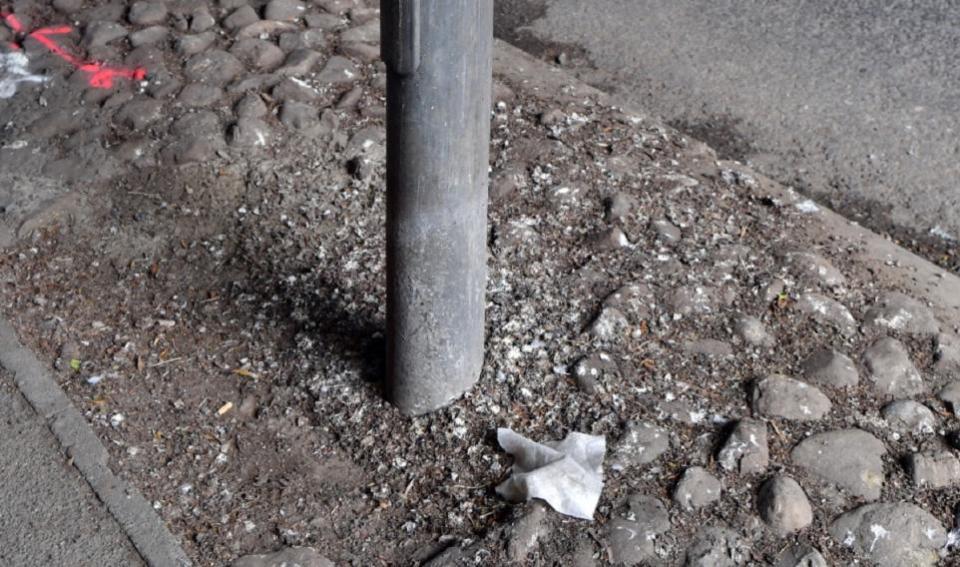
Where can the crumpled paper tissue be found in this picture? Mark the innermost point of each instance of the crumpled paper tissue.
(568, 474)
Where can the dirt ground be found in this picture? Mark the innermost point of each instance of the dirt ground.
(221, 325)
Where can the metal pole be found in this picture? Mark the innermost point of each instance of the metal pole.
(439, 67)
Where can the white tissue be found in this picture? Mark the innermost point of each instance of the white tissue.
(568, 475)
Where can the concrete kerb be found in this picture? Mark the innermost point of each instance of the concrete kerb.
(878, 254)
(152, 540)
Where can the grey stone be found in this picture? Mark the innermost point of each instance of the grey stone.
(745, 450)
(196, 95)
(696, 488)
(708, 347)
(506, 183)
(800, 556)
(640, 444)
(299, 62)
(938, 470)
(101, 33)
(265, 28)
(289, 10)
(588, 370)
(307, 39)
(908, 416)
(947, 355)
(363, 52)
(296, 89)
(367, 33)
(899, 312)
(666, 231)
(289, 557)
(215, 67)
(138, 114)
(251, 106)
(147, 13)
(621, 206)
(336, 6)
(715, 547)
(632, 537)
(890, 370)
(691, 300)
(783, 505)
(780, 396)
(198, 137)
(163, 85)
(852, 459)
(350, 99)
(299, 116)
(201, 20)
(891, 534)
(193, 44)
(813, 268)
(752, 331)
(325, 22)
(950, 395)
(250, 133)
(67, 6)
(609, 325)
(609, 239)
(257, 53)
(828, 367)
(526, 532)
(773, 290)
(827, 311)
(241, 17)
(149, 36)
(634, 299)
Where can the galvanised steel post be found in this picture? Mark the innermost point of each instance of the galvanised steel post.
(439, 66)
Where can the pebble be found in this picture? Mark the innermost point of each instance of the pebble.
(101, 33)
(715, 547)
(813, 268)
(367, 33)
(289, 557)
(636, 299)
(696, 489)
(307, 39)
(299, 62)
(852, 459)
(947, 354)
(147, 13)
(609, 325)
(201, 20)
(526, 532)
(828, 367)
(507, 183)
(197, 95)
(899, 312)
(140, 113)
(265, 28)
(68, 6)
(289, 10)
(250, 133)
(621, 207)
(690, 300)
(632, 537)
(950, 395)
(588, 370)
(241, 17)
(193, 44)
(149, 36)
(708, 347)
(609, 239)
(890, 370)
(892, 534)
(783, 505)
(828, 311)
(908, 416)
(745, 450)
(780, 396)
(752, 331)
(640, 444)
(938, 470)
(251, 106)
(215, 67)
(325, 22)
(338, 71)
(294, 89)
(800, 556)
(257, 53)
(299, 116)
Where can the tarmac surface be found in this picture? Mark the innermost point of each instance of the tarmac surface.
(48, 514)
(852, 102)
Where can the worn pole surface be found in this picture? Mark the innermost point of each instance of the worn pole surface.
(439, 65)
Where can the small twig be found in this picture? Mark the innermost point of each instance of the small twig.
(164, 362)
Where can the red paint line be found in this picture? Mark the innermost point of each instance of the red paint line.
(101, 76)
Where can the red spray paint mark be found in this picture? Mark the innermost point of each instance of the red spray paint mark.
(101, 76)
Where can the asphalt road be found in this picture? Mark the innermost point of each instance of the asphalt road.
(854, 102)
